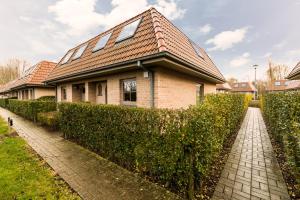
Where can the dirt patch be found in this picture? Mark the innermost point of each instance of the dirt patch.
(290, 180)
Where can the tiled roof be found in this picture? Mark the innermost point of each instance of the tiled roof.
(224, 86)
(275, 86)
(243, 87)
(35, 75)
(154, 35)
(295, 72)
(293, 85)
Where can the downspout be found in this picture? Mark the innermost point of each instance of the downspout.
(151, 78)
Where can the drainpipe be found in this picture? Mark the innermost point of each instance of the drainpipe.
(151, 77)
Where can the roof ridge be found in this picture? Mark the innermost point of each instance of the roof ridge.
(158, 31)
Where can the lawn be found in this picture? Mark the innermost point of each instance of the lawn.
(23, 175)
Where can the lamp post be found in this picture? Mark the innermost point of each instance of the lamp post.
(255, 92)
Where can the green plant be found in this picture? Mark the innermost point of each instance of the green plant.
(49, 119)
(282, 114)
(175, 147)
(47, 98)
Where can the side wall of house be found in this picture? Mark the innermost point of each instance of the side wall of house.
(41, 92)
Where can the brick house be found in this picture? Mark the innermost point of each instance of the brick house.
(293, 85)
(295, 73)
(277, 86)
(145, 62)
(30, 85)
(223, 88)
(243, 88)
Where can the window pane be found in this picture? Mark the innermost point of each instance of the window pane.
(67, 57)
(129, 90)
(129, 30)
(127, 96)
(102, 42)
(133, 96)
(197, 50)
(79, 52)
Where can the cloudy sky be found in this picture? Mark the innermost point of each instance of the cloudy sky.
(235, 33)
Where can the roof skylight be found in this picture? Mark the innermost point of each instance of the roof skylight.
(67, 57)
(197, 49)
(102, 42)
(79, 52)
(129, 30)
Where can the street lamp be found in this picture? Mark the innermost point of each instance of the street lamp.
(255, 92)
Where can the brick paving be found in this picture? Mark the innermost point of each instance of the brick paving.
(90, 175)
(251, 171)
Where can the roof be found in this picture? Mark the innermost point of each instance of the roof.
(224, 86)
(295, 73)
(293, 85)
(34, 76)
(6, 87)
(277, 85)
(243, 87)
(154, 36)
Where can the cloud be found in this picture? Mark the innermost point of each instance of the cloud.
(227, 39)
(241, 60)
(205, 29)
(267, 55)
(280, 45)
(81, 16)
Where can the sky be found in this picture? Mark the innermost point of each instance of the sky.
(235, 33)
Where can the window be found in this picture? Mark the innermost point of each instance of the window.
(277, 83)
(244, 85)
(67, 57)
(236, 85)
(286, 83)
(99, 89)
(129, 90)
(129, 30)
(199, 93)
(102, 42)
(63, 93)
(197, 50)
(79, 52)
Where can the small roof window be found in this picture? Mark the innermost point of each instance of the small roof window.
(197, 50)
(102, 42)
(67, 57)
(129, 30)
(277, 83)
(79, 52)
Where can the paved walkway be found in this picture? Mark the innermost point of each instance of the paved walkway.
(251, 171)
(90, 175)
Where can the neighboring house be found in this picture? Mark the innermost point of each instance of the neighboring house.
(30, 85)
(145, 62)
(295, 73)
(5, 90)
(223, 88)
(243, 87)
(293, 85)
(277, 86)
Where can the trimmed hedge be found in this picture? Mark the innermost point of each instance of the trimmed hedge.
(282, 114)
(47, 98)
(174, 147)
(49, 119)
(30, 109)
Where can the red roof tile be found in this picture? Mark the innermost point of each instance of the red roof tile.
(154, 35)
(277, 85)
(224, 86)
(295, 73)
(243, 87)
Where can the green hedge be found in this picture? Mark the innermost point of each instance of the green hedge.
(30, 109)
(282, 114)
(175, 147)
(49, 119)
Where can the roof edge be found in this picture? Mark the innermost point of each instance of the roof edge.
(158, 31)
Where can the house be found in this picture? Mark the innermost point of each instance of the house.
(277, 86)
(295, 73)
(293, 85)
(30, 85)
(145, 62)
(223, 88)
(243, 87)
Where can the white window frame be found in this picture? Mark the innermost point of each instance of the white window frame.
(121, 38)
(108, 35)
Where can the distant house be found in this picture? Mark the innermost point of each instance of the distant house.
(223, 88)
(277, 86)
(145, 62)
(243, 87)
(295, 73)
(293, 85)
(30, 85)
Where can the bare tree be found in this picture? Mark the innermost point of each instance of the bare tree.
(277, 71)
(12, 69)
(232, 80)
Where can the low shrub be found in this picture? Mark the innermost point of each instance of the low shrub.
(49, 119)
(174, 147)
(30, 109)
(282, 114)
(3, 103)
(254, 103)
(47, 98)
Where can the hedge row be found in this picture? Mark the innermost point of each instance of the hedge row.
(175, 147)
(30, 109)
(282, 114)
